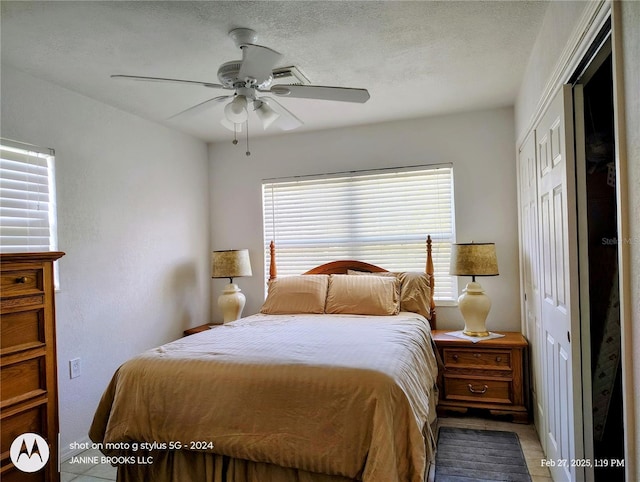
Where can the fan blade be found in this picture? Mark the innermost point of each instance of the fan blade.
(201, 106)
(342, 94)
(287, 120)
(257, 63)
(161, 79)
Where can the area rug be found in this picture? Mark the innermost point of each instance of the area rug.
(466, 455)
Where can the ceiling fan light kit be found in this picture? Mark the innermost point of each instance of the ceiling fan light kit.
(236, 110)
(266, 114)
(252, 77)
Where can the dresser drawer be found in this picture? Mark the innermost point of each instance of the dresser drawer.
(22, 380)
(478, 390)
(31, 420)
(22, 329)
(21, 282)
(15, 475)
(465, 358)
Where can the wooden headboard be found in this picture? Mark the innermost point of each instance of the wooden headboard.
(342, 266)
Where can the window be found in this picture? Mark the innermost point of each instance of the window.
(27, 198)
(381, 217)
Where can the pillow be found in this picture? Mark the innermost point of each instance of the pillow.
(363, 295)
(415, 293)
(296, 294)
(415, 290)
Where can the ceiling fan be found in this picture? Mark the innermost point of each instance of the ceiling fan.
(251, 79)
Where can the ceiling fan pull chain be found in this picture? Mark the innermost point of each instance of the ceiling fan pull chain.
(247, 128)
(235, 134)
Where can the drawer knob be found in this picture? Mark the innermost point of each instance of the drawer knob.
(455, 357)
(477, 355)
(22, 280)
(498, 359)
(478, 391)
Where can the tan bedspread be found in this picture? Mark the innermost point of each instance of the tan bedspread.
(334, 394)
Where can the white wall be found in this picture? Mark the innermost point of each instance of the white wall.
(133, 220)
(557, 27)
(479, 144)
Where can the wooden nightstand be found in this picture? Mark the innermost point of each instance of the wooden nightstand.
(198, 329)
(488, 374)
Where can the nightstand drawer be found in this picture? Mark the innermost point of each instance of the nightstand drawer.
(489, 375)
(476, 358)
(478, 390)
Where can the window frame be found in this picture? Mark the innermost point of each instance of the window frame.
(13, 205)
(441, 239)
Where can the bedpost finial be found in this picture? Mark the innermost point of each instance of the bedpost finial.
(273, 272)
(431, 273)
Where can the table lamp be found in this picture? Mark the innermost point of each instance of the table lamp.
(231, 263)
(474, 259)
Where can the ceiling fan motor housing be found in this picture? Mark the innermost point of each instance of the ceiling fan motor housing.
(228, 72)
(228, 75)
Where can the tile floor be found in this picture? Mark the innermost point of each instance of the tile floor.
(87, 472)
(77, 472)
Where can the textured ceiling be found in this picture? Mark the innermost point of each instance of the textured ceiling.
(416, 58)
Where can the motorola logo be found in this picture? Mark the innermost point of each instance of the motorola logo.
(29, 452)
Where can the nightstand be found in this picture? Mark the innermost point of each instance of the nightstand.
(488, 374)
(198, 329)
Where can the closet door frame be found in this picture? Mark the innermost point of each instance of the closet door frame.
(530, 276)
(594, 17)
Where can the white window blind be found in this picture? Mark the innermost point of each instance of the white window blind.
(381, 217)
(27, 198)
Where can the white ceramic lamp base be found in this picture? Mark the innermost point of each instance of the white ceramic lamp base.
(474, 306)
(231, 302)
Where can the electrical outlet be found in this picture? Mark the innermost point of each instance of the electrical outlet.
(74, 368)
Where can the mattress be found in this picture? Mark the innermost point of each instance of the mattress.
(345, 395)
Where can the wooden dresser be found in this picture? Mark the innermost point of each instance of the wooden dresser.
(489, 374)
(28, 367)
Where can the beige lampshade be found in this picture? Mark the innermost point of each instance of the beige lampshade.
(230, 263)
(473, 259)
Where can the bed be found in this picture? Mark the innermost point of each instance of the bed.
(309, 390)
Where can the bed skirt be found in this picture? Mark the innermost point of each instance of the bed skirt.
(191, 466)
(187, 466)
